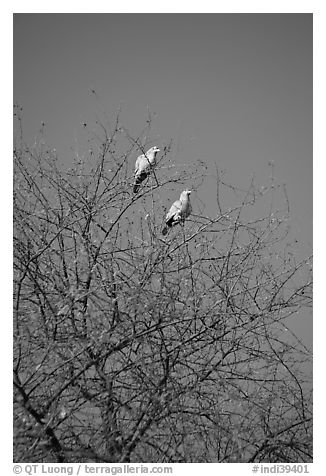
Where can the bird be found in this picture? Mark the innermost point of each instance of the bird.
(143, 166)
(179, 211)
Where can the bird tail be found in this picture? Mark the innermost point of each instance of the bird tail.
(168, 224)
(139, 179)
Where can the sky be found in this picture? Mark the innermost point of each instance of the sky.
(232, 89)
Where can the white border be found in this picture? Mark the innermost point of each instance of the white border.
(319, 182)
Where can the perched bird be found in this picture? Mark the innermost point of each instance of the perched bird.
(179, 211)
(143, 166)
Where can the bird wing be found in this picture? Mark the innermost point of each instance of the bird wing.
(175, 210)
(139, 165)
(142, 163)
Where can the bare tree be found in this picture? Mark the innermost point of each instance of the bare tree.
(131, 347)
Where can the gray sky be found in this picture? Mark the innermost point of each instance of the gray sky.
(235, 89)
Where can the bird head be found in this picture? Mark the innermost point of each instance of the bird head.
(185, 194)
(153, 150)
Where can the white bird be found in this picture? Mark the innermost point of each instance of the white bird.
(143, 166)
(179, 211)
